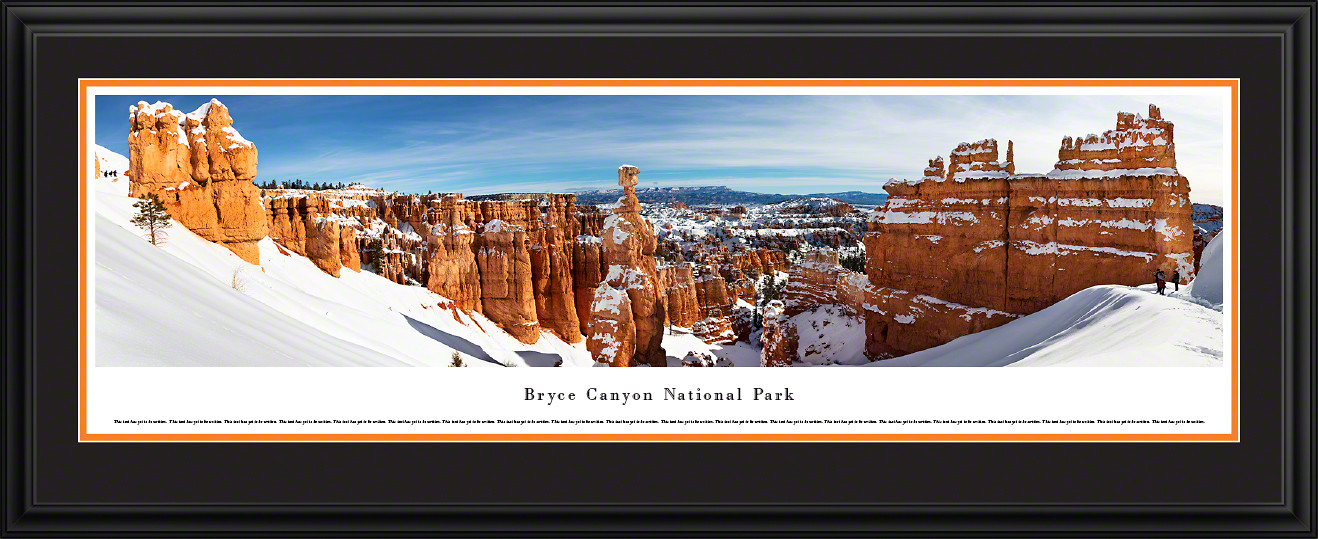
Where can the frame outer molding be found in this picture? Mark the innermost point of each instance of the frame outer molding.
(1298, 158)
(25, 22)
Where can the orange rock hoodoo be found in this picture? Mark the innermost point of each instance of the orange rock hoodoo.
(628, 252)
(975, 246)
(526, 261)
(780, 340)
(679, 284)
(507, 293)
(201, 169)
(716, 302)
(305, 226)
(530, 271)
(552, 252)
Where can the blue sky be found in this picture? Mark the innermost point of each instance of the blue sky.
(778, 144)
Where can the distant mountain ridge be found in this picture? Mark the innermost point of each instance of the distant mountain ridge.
(714, 194)
(1207, 217)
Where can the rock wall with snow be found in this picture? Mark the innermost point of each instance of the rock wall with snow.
(813, 282)
(977, 245)
(713, 297)
(453, 246)
(716, 301)
(780, 342)
(679, 284)
(817, 281)
(201, 169)
(507, 291)
(307, 227)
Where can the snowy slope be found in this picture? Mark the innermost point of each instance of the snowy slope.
(1099, 326)
(679, 341)
(827, 335)
(177, 304)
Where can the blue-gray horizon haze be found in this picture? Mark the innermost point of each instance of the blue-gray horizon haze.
(792, 144)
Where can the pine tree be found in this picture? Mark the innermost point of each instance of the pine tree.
(757, 319)
(770, 290)
(457, 360)
(854, 261)
(152, 217)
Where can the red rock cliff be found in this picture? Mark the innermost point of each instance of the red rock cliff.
(678, 282)
(300, 225)
(971, 248)
(454, 273)
(202, 169)
(552, 253)
(780, 340)
(716, 302)
(507, 293)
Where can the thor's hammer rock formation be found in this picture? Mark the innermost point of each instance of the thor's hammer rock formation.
(628, 252)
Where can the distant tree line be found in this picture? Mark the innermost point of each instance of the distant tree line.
(299, 184)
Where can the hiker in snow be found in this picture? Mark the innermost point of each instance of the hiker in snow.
(1176, 280)
(1162, 282)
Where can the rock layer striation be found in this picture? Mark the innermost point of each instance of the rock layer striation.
(975, 245)
(201, 168)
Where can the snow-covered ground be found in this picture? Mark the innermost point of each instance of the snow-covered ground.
(679, 341)
(828, 335)
(1101, 326)
(190, 302)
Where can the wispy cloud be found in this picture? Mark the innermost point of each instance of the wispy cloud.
(789, 144)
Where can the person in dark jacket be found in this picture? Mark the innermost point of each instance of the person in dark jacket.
(1176, 280)
(1161, 279)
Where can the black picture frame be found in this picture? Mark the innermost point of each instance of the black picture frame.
(1261, 486)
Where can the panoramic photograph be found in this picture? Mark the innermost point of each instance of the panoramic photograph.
(657, 230)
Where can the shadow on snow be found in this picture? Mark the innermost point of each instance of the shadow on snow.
(450, 340)
(539, 359)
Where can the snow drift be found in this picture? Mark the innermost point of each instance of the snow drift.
(1106, 325)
